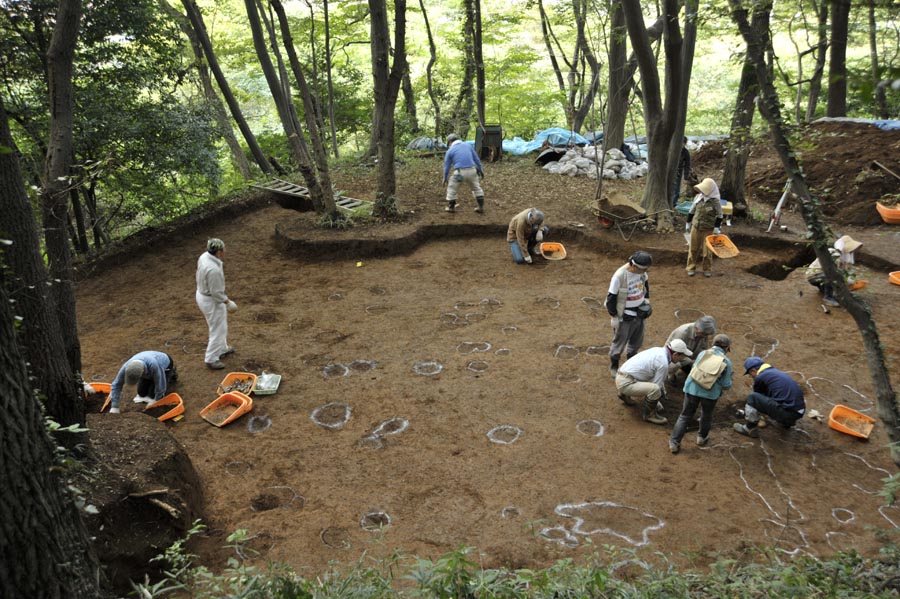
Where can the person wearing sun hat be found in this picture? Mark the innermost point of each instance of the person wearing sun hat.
(704, 218)
(213, 302)
(843, 255)
(775, 394)
(644, 376)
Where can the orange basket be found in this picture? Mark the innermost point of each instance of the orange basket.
(172, 399)
(857, 285)
(227, 408)
(102, 388)
(553, 251)
(894, 277)
(889, 214)
(721, 246)
(849, 421)
(235, 378)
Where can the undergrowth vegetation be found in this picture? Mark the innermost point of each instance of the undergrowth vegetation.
(610, 572)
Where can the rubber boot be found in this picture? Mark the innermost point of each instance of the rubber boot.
(648, 413)
(613, 365)
(451, 207)
(480, 208)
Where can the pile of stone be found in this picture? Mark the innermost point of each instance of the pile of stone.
(584, 162)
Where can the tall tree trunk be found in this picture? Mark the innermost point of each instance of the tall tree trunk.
(478, 54)
(815, 82)
(309, 112)
(691, 8)
(429, 72)
(581, 103)
(739, 139)
(461, 116)
(660, 123)
(57, 176)
(770, 109)
(619, 82)
(221, 116)
(81, 242)
(328, 74)
(409, 103)
(196, 18)
(881, 110)
(837, 75)
(386, 79)
(27, 283)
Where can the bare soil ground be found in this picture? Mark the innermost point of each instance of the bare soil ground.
(499, 423)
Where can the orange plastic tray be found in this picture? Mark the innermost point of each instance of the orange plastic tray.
(889, 214)
(551, 250)
(894, 277)
(172, 399)
(232, 377)
(227, 408)
(102, 388)
(849, 421)
(721, 246)
(857, 285)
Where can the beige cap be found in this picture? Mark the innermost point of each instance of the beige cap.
(679, 346)
(706, 187)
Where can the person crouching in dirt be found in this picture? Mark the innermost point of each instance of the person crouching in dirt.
(644, 376)
(703, 387)
(696, 336)
(628, 303)
(704, 218)
(151, 371)
(775, 394)
(843, 255)
(461, 163)
(526, 231)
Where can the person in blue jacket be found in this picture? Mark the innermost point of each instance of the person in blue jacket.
(775, 394)
(461, 164)
(151, 371)
(695, 394)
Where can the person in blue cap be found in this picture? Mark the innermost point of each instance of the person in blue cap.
(775, 394)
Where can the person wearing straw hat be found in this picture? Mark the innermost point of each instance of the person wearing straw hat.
(213, 302)
(843, 255)
(704, 393)
(704, 218)
(696, 336)
(775, 394)
(462, 161)
(644, 376)
(526, 230)
(151, 371)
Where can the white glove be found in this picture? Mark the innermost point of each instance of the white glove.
(231, 306)
(717, 231)
(687, 227)
(614, 322)
(528, 258)
(114, 410)
(540, 235)
(88, 390)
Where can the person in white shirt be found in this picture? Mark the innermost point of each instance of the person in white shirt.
(644, 376)
(213, 302)
(628, 304)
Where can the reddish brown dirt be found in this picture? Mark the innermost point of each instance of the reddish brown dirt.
(304, 490)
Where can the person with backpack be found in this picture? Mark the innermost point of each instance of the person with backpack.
(644, 376)
(710, 375)
(628, 304)
(775, 394)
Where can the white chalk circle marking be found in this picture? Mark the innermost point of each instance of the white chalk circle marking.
(559, 535)
(469, 347)
(842, 515)
(505, 434)
(332, 415)
(566, 352)
(566, 510)
(478, 366)
(427, 368)
(375, 521)
(591, 428)
(392, 426)
(335, 370)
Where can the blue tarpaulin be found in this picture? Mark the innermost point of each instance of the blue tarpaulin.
(556, 137)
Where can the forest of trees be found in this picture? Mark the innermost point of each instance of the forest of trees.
(115, 116)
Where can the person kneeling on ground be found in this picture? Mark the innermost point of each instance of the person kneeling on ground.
(775, 394)
(644, 376)
(696, 336)
(526, 230)
(711, 374)
(843, 255)
(151, 371)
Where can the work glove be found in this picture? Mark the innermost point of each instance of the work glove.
(614, 323)
(444, 181)
(659, 407)
(540, 235)
(231, 306)
(687, 227)
(88, 390)
(528, 258)
(114, 410)
(717, 231)
(481, 174)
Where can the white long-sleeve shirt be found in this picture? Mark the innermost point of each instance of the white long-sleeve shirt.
(649, 366)
(211, 277)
